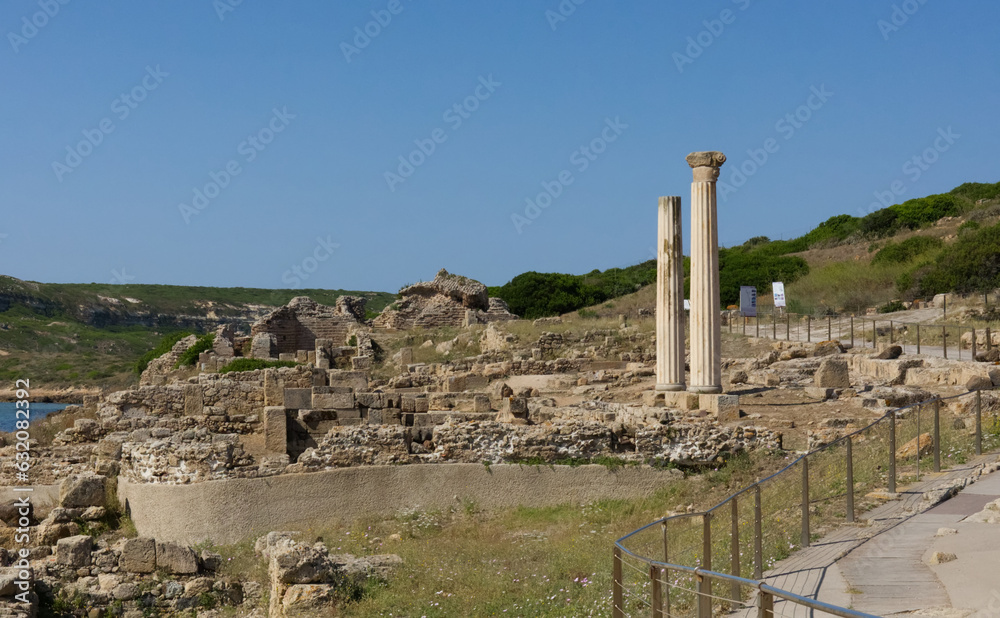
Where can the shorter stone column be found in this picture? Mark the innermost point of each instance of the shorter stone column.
(670, 297)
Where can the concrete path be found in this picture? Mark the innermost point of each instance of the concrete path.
(878, 566)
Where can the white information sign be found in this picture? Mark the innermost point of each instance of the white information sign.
(778, 289)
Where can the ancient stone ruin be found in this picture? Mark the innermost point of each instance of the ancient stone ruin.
(448, 300)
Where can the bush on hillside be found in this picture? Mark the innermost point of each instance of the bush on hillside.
(738, 267)
(971, 264)
(879, 224)
(190, 356)
(924, 210)
(975, 191)
(161, 348)
(900, 253)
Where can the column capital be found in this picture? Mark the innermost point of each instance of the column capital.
(706, 165)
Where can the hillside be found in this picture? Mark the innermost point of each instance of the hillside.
(87, 335)
(938, 243)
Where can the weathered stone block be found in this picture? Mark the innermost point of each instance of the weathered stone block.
(274, 388)
(287, 356)
(455, 384)
(518, 406)
(421, 405)
(176, 559)
(681, 400)
(275, 430)
(138, 555)
(481, 403)
(74, 551)
(298, 398)
(262, 346)
(194, 400)
(820, 393)
(357, 380)
(833, 373)
(725, 408)
(406, 356)
(361, 363)
(323, 400)
(81, 491)
(408, 404)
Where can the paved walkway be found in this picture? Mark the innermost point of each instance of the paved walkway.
(878, 566)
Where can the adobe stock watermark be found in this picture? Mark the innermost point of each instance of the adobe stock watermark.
(787, 126)
(580, 160)
(714, 28)
(120, 277)
(364, 35)
(121, 108)
(455, 116)
(913, 169)
(33, 24)
(248, 150)
(899, 17)
(222, 7)
(563, 11)
(299, 273)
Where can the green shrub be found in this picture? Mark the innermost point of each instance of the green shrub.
(250, 364)
(969, 226)
(879, 224)
(975, 191)
(971, 264)
(587, 313)
(923, 210)
(161, 348)
(892, 306)
(190, 356)
(900, 253)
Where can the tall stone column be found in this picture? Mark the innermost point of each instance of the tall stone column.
(706, 319)
(670, 297)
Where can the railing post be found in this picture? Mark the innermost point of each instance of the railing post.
(829, 328)
(852, 331)
(666, 571)
(618, 608)
(850, 480)
(874, 334)
(989, 340)
(743, 319)
(774, 326)
(654, 579)
(920, 410)
(944, 340)
(937, 436)
(756, 323)
(705, 585)
(918, 338)
(892, 452)
(974, 344)
(809, 329)
(805, 501)
(979, 423)
(758, 534)
(765, 605)
(788, 327)
(892, 333)
(735, 549)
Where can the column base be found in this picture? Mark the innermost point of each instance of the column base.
(669, 387)
(705, 390)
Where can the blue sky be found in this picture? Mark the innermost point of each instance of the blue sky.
(115, 114)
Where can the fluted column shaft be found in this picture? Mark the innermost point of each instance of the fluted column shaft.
(670, 297)
(706, 319)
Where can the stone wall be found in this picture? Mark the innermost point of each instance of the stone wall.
(232, 510)
(302, 321)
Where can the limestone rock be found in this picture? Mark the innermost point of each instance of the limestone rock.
(833, 373)
(926, 442)
(176, 559)
(308, 601)
(890, 353)
(826, 348)
(138, 555)
(940, 557)
(946, 532)
(989, 515)
(738, 377)
(979, 383)
(82, 491)
(74, 551)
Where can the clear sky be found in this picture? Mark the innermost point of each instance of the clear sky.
(290, 121)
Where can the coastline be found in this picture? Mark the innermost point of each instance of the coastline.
(51, 395)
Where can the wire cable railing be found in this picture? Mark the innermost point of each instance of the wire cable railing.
(702, 564)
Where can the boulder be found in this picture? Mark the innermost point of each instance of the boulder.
(990, 356)
(308, 600)
(295, 563)
(176, 559)
(138, 555)
(979, 383)
(926, 442)
(890, 353)
(941, 557)
(82, 490)
(833, 373)
(826, 348)
(74, 551)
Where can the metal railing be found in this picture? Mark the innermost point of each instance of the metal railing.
(667, 568)
(865, 331)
